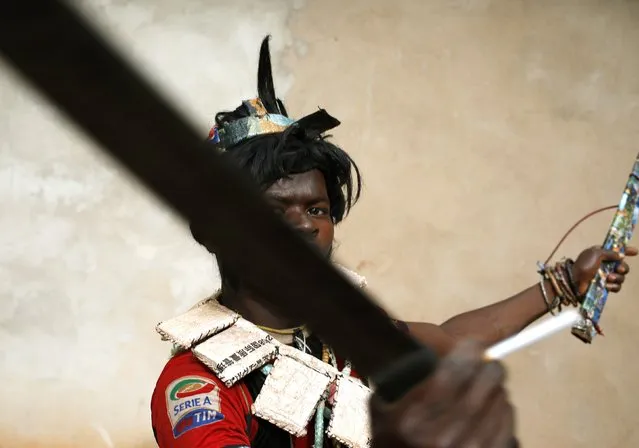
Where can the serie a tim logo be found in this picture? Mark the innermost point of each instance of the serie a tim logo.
(193, 402)
(195, 419)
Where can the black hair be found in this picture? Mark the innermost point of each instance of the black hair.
(269, 157)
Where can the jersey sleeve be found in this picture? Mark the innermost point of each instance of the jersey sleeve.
(191, 408)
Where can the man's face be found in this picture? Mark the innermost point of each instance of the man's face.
(303, 202)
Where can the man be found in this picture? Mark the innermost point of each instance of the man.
(227, 391)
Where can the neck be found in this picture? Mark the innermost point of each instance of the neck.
(251, 308)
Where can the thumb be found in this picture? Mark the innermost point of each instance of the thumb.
(582, 288)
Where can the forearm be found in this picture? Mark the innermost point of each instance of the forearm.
(498, 321)
(565, 284)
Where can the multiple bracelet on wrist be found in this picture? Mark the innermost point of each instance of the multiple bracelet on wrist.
(560, 278)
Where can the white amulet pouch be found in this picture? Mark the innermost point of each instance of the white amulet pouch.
(292, 390)
(350, 417)
(236, 352)
(197, 324)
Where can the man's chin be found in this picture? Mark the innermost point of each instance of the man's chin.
(325, 253)
(328, 253)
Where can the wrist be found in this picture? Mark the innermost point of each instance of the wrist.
(557, 285)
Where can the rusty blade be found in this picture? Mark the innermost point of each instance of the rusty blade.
(70, 64)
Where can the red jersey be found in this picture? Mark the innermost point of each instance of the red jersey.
(192, 408)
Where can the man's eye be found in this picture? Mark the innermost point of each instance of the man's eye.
(317, 211)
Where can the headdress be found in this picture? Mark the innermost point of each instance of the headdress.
(266, 114)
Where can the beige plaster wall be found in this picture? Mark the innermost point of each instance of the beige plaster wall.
(484, 129)
(88, 262)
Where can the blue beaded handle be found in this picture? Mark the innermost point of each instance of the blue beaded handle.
(618, 236)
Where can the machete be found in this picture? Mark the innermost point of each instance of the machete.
(56, 50)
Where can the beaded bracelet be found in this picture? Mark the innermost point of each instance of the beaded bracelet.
(555, 285)
(560, 278)
(556, 302)
(561, 273)
(551, 306)
(570, 285)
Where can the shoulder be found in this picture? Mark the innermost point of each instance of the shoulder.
(185, 379)
(189, 402)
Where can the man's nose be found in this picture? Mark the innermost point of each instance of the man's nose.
(302, 222)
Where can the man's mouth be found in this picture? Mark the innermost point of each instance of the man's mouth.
(313, 242)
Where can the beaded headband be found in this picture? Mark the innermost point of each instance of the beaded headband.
(257, 123)
(260, 121)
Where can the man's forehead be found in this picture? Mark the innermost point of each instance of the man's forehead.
(307, 183)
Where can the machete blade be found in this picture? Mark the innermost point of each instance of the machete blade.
(73, 67)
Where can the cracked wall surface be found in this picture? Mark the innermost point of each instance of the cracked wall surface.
(484, 130)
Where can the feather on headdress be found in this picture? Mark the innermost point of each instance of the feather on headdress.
(267, 114)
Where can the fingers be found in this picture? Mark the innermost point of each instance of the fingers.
(496, 426)
(463, 401)
(505, 436)
(610, 255)
(453, 374)
(431, 400)
(489, 380)
(623, 268)
(480, 412)
(460, 365)
(613, 287)
(616, 279)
